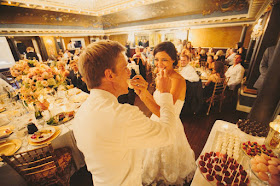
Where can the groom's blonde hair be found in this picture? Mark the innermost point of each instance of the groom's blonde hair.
(96, 58)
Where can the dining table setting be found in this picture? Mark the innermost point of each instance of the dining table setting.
(22, 129)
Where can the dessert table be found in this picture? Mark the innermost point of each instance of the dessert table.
(9, 176)
(223, 126)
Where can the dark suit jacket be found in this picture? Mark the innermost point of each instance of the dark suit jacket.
(265, 63)
(76, 80)
(31, 55)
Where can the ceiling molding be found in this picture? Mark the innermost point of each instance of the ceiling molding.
(87, 7)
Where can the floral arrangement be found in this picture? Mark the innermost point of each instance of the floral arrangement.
(36, 79)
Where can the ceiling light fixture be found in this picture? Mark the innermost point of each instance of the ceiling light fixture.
(9, 2)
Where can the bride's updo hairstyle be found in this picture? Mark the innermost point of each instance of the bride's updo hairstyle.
(169, 48)
(96, 58)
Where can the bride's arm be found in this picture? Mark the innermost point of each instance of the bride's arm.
(178, 87)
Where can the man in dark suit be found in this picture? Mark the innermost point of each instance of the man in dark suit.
(76, 78)
(264, 65)
(31, 54)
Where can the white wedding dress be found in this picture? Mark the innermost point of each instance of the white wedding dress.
(173, 164)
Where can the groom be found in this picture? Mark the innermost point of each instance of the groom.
(112, 136)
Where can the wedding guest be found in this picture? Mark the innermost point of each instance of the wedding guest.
(210, 52)
(112, 136)
(219, 56)
(235, 73)
(179, 47)
(61, 67)
(31, 54)
(76, 78)
(139, 59)
(210, 62)
(202, 55)
(264, 65)
(230, 59)
(186, 70)
(216, 76)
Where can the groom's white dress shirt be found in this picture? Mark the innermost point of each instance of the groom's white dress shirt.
(112, 136)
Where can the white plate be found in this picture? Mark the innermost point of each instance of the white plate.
(42, 134)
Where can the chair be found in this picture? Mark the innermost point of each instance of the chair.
(218, 94)
(43, 166)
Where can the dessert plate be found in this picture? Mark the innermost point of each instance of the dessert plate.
(42, 134)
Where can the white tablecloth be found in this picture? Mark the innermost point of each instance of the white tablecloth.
(8, 176)
(223, 126)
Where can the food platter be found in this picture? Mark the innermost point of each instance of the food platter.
(251, 149)
(61, 118)
(42, 134)
(266, 169)
(220, 169)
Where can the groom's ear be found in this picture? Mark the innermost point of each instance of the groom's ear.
(109, 75)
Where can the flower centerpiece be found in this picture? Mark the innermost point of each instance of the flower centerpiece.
(37, 79)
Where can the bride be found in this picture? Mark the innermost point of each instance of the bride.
(172, 164)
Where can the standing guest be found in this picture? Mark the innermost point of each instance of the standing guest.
(186, 70)
(264, 65)
(112, 136)
(31, 54)
(179, 47)
(230, 59)
(70, 46)
(178, 163)
(139, 59)
(235, 73)
(76, 78)
(145, 43)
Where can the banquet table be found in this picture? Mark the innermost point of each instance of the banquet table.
(66, 138)
(223, 126)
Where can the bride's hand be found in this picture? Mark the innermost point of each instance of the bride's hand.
(163, 82)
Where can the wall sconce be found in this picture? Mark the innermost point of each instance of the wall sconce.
(49, 41)
(257, 30)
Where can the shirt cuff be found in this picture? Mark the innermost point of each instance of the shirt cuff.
(165, 98)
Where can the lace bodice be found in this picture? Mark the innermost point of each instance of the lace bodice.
(178, 105)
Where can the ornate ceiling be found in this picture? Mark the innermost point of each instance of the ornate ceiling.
(114, 16)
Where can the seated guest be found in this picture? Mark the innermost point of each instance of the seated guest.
(112, 136)
(61, 67)
(242, 52)
(202, 55)
(210, 52)
(216, 76)
(230, 59)
(76, 78)
(210, 62)
(186, 70)
(235, 73)
(31, 54)
(219, 56)
(197, 52)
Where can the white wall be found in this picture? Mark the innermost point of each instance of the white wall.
(6, 57)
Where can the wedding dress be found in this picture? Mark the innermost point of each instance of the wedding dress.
(172, 164)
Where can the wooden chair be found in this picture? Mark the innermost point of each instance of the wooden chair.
(43, 166)
(218, 94)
